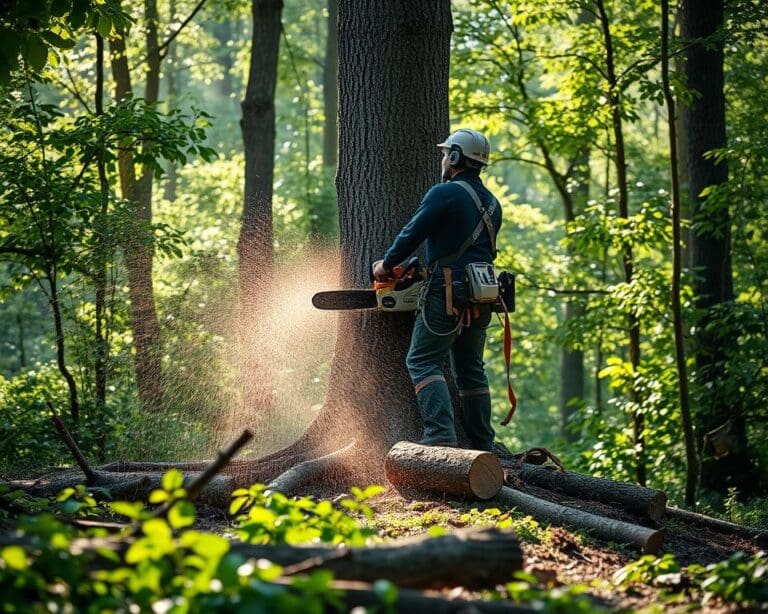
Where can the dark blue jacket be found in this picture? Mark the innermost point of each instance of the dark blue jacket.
(445, 218)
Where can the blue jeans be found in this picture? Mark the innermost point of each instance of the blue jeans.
(436, 337)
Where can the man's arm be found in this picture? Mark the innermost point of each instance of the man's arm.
(414, 233)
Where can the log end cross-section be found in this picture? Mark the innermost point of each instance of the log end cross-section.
(453, 471)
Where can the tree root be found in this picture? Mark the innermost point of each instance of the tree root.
(338, 466)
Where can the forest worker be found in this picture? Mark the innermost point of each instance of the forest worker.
(449, 219)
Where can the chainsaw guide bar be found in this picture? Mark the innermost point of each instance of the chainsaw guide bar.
(346, 299)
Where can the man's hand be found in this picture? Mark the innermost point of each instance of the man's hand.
(380, 273)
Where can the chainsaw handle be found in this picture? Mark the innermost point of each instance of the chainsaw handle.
(401, 270)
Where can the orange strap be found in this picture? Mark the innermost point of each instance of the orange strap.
(507, 359)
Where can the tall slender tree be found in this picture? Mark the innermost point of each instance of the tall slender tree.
(255, 243)
(136, 185)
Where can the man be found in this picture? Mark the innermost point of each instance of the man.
(458, 219)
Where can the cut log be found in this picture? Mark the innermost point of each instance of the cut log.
(631, 498)
(411, 467)
(473, 558)
(760, 538)
(648, 540)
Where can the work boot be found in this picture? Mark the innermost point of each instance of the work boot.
(434, 402)
(476, 415)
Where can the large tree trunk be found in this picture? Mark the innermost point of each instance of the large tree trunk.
(255, 244)
(705, 124)
(691, 464)
(385, 167)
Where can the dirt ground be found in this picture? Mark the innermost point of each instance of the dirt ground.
(564, 558)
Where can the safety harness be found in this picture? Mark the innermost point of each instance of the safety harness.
(472, 309)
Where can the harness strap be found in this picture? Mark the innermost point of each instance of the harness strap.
(485, 216)
(485, 222)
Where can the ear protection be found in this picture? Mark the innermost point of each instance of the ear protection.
(456, 157)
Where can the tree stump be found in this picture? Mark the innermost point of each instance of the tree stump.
(412, 467)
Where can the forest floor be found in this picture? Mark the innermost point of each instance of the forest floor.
(560, 558)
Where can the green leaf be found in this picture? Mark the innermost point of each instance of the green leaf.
(124, 508)
(181, 515)
(158, 496)
(437, 531)
(104, 26)
(14, 557)
(57, 41)
(35, 52)
(173, 479)
(10, 45)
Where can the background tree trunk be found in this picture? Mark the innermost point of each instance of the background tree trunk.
(255, 243)
(633, 322)
(324, 212)
(713, 287)
(139, 252)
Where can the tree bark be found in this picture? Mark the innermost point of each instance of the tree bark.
(139, 252)
(412, 467)
(713, 287)
(385, 167)
(677, 255)
(473, 558)
(634, 499)
(648, 540)
(255, 243)
(633, 322)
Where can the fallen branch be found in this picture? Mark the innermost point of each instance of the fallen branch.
(90, 476)
(648, 540)
(197, 485)
(412, 467)
(720, 526)
(408, 600)
(631, 498)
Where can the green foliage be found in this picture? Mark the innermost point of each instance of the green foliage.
(37, 31)
(525, 527)
(186, 571)
(738, 579)
(170, 566)
(27, 437)
(646, 569)
(553, 600)
(270, 517)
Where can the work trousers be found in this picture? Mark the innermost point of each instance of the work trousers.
(436, 337)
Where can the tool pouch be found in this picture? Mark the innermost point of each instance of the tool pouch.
(482, 282)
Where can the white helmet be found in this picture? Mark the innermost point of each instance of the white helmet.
(470, 143)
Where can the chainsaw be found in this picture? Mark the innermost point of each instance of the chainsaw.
(401, 291)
